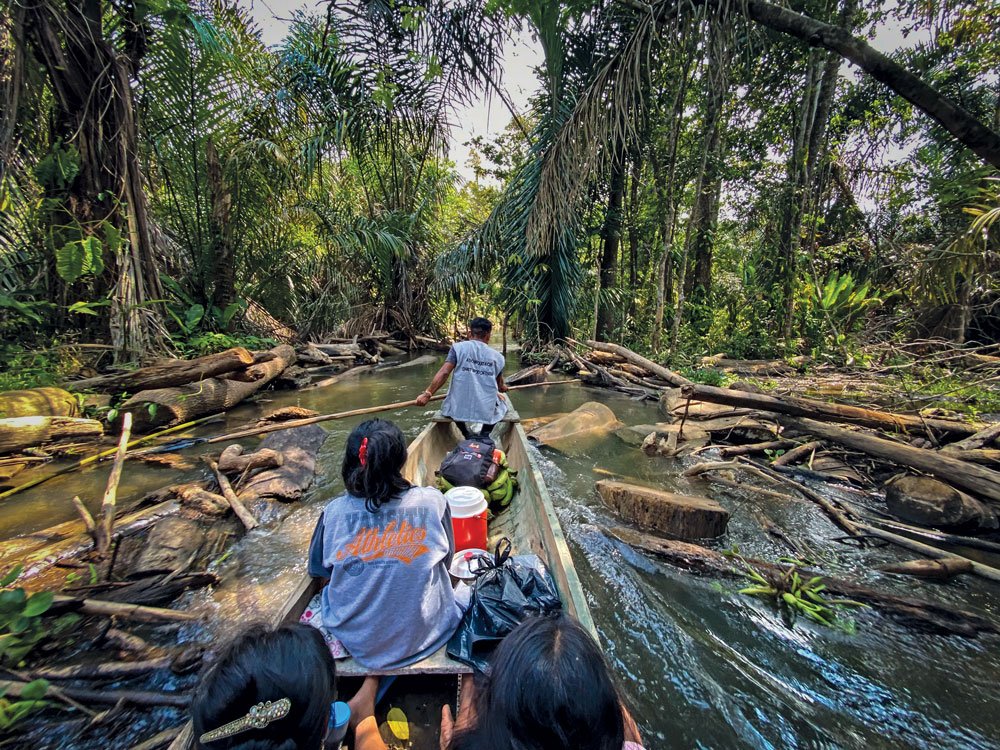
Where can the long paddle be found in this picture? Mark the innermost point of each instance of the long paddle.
(246, 432)
(288, 424)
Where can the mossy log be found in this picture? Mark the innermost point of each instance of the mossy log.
(18, 433)
(34, 402)
(168, 373)
(169, 406)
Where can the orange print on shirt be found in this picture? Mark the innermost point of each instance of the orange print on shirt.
(403, 542)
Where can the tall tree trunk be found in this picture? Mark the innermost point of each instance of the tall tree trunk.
(611, 239)
(633, 232)
(106, 201)
(790, 232)
(704, 213)
(667, 200)
(223, 256)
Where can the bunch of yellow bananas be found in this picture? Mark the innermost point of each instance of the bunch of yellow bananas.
(500, 492)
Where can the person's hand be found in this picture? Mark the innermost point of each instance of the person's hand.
(424, 398)
(447, 727)
(631, 730)
(503, 388)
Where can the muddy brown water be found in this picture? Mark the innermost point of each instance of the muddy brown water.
(701, 666)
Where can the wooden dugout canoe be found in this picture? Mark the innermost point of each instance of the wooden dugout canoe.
(532, 526)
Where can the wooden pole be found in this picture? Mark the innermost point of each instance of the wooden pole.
(289, 424)
(108, 504)
(103, 454)
(234, 502)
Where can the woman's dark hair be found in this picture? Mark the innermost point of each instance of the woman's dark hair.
(379, 478)
(291, 661)
(549, 688)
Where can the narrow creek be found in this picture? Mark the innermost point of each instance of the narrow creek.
(701, 665)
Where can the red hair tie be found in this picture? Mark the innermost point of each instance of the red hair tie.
(363, 451)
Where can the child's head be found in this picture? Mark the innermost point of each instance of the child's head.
(290, 663)
(549, 687)
(373, 460)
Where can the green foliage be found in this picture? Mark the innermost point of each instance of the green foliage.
(795, 597)
(842, 299)
(80, 258)
(22, 627)
(28, 368)
(12, 712)
(209, 343)
(57, 170)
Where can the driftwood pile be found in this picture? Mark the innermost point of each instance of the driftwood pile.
(142, 561)
(941, 476)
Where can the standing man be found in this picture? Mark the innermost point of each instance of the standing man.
(474, 395)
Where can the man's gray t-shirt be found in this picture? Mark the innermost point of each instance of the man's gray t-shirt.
(473, 395)
(390, 599)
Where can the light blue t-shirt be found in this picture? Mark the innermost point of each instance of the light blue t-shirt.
(473, 395)
(390, 599)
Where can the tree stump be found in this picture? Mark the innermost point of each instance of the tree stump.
(680, 516)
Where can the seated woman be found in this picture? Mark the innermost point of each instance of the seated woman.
(273, 690)
(385, 547)
(549, 688)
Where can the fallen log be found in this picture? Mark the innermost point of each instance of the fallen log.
(108, 697)
(744, 450)
(42, 550)
(984, 456)
(234, 461)
(338, 377)
(170, 546)
(18, 433)
(941, 569)
(124, 611)
(792, 456)
(981, 439)
(628, 355)
(298, 448)
(936, 616)
(970, 477)
(797, 406)
(168, 406)
(35, 402)
(105, 670)
(168, 373)
(245, 516)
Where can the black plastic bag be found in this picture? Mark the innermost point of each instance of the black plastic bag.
(507, 590)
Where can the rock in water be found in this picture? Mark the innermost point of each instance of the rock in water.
(679, 516)
(931, 502)
(173, 543)
(593, 419)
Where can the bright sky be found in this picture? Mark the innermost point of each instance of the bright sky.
(487, 117)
